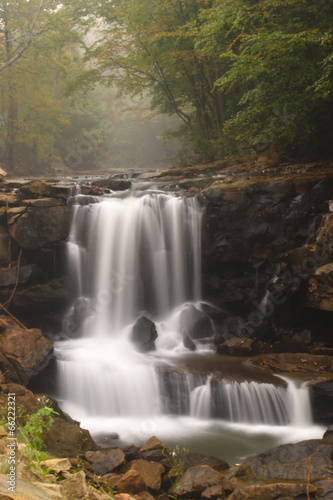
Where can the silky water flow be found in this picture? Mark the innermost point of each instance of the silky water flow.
(137, 256)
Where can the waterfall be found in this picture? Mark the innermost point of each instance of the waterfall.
(299, 402)
(137, 256)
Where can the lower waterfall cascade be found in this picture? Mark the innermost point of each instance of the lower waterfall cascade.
(140, 256)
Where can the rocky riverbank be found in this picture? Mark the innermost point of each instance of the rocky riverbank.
(77, 469)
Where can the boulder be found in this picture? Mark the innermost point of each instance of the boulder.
(36, 188)
(132, 452)
(152, 455)
(63, 190)
(196, 324)
(195, 459)
(11, 276)
(75, 487)
(38, 226)
(111, 479)
(213, 492)
(151, 472)
(24, 491)
(108, 462)
(3, 173)
(57, 465)
(188, 342)
(38, 300)
(329, 432)
(144, 335)
(67, 439)
(27, 350)
(24, 398)
(14, 213)
(8, 371)
(131, 482)
(237, 346)
(321, 394)
(300, 462)
(153, 443)
(54, 490)
(9, 199)
(196, 480)
(281, 490)
(113, 184)
(43, 202)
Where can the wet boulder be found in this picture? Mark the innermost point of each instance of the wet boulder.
(188, 342)
(237, 346)
(144, 334)
(195, 323)
(113, 184)
(321, 394)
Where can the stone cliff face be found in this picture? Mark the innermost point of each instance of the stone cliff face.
(34, 224)
(267, 247)
(268, 253)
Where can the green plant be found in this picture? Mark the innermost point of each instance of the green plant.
(176, 458)
(31, 434)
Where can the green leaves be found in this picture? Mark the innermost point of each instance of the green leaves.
(36, 425)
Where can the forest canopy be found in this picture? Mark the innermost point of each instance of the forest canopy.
(241, 77)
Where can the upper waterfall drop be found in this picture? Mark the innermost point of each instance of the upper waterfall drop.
(132, 256)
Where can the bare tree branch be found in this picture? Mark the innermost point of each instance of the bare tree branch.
(28, 38)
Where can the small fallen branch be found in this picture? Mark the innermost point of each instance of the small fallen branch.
(13, 317)
(7, 303)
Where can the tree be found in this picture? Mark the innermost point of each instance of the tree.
(35, 105)
(242, 75)
(152, 48)
(280, 72)
(20, 23)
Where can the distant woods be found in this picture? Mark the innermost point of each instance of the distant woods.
(87, 84)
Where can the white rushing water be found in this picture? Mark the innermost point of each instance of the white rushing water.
(141, 256)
